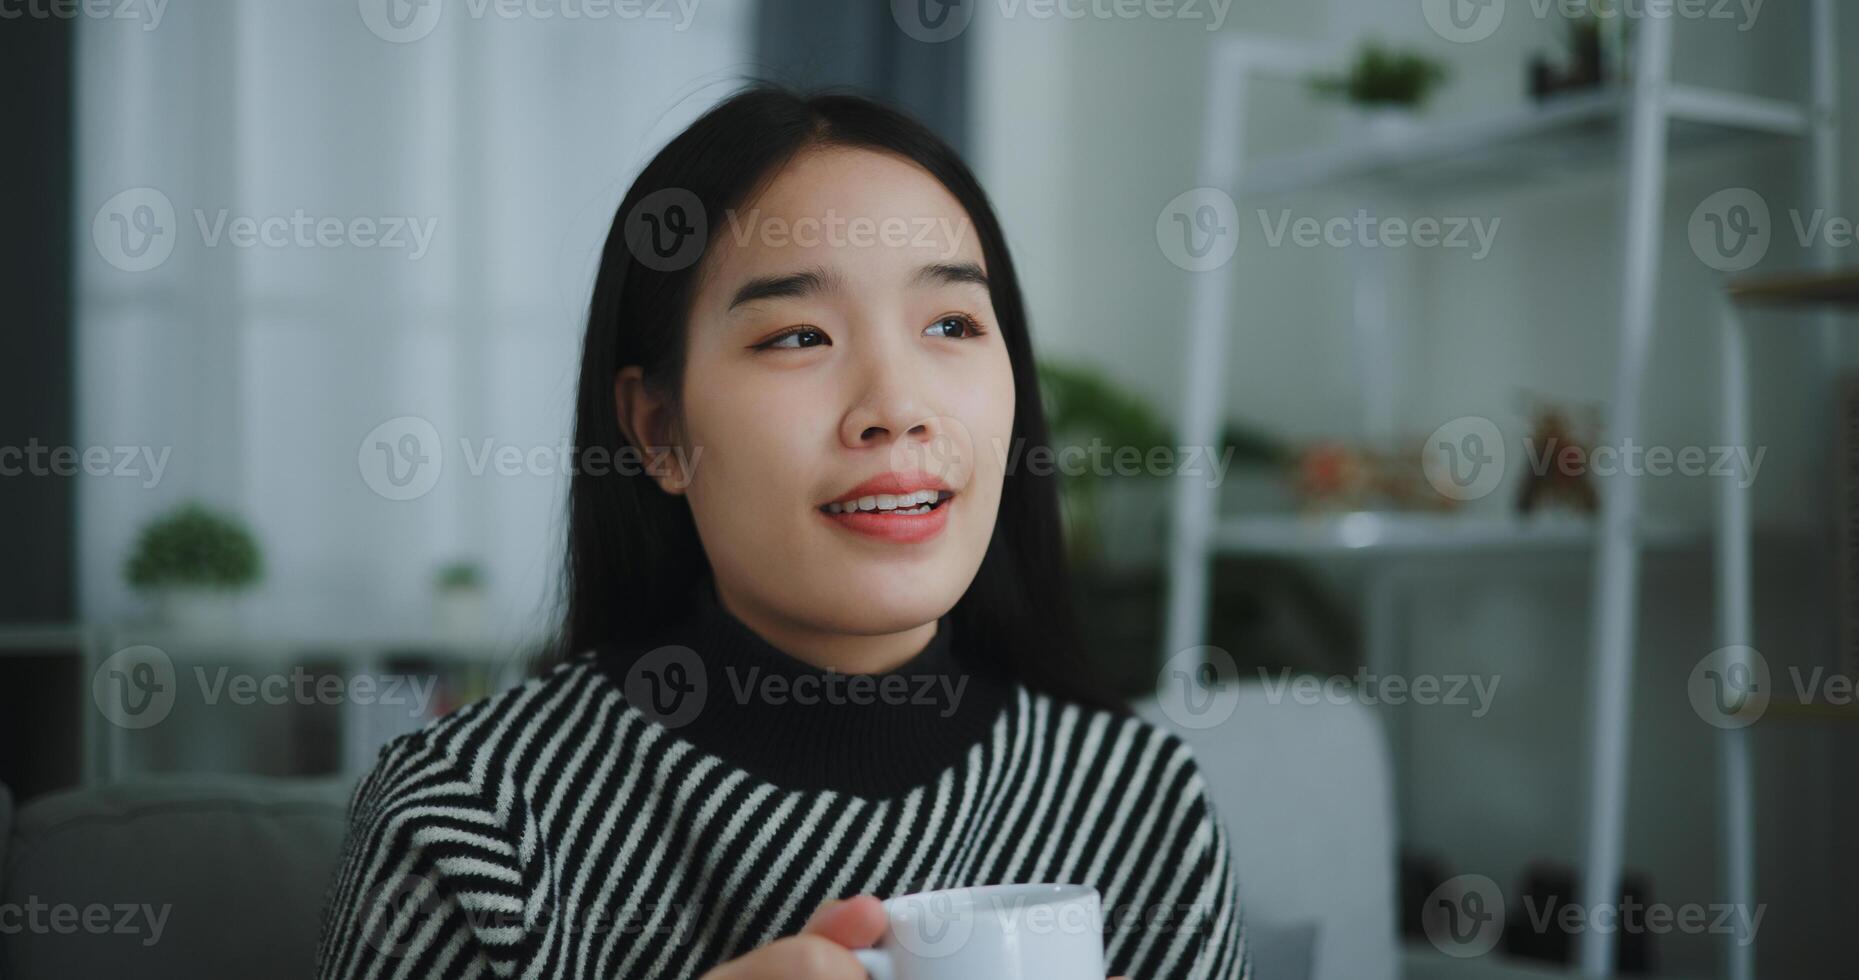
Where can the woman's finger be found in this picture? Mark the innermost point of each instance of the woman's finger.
(854, 923)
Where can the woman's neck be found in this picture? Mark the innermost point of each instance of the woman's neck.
(845, 653)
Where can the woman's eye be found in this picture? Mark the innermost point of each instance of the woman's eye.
(957, 322)
(795, 335)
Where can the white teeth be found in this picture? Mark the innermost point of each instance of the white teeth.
(905, 503)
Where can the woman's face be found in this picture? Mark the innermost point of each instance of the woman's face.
(842, 331)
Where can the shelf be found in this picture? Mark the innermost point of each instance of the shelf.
(1396, 534)
(1788, 711)
(1569, 134)
(283, 650)
(1834, 289)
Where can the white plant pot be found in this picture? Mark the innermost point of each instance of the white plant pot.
(1385, 124)
(198, 610)
(461, 615)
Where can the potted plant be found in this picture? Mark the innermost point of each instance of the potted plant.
(194, 562)
(1123, 521)
(1385, 88)
(461, 604)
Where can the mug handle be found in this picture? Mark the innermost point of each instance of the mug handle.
(875, 961)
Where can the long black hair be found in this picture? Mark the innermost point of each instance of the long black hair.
(633, 557)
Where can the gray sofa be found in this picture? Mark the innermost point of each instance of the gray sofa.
(109, 881)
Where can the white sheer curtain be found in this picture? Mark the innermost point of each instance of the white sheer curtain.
(263, 354)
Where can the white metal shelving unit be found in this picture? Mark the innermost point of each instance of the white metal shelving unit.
(1633, 129)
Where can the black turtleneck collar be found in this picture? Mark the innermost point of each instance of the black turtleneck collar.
(713, 681)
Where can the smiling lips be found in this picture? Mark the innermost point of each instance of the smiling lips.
(899, 507)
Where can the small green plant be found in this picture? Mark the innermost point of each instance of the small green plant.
(460, 575)
(193, 546)
(1382, 76)
(1083, 404)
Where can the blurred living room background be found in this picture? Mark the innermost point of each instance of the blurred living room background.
(1508, 332)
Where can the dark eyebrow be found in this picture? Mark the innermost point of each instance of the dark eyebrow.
(806, 282)
(950, 273)
(787, 286)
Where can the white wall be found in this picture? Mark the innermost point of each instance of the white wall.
(1087, 128)
(263, 369)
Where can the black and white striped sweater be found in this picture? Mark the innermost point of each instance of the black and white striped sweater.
(656, 809)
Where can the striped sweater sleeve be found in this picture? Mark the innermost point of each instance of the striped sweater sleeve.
(430, 883)
(1184, 920)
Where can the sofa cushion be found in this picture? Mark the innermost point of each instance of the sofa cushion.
(173, 877)
(1305, 792)
(1282, 950)
(6, 827)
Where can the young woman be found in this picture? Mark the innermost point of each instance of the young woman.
(818, 648)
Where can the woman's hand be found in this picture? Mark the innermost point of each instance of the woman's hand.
(821, 951)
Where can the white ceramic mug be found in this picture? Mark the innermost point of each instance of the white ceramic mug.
(991, 932)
